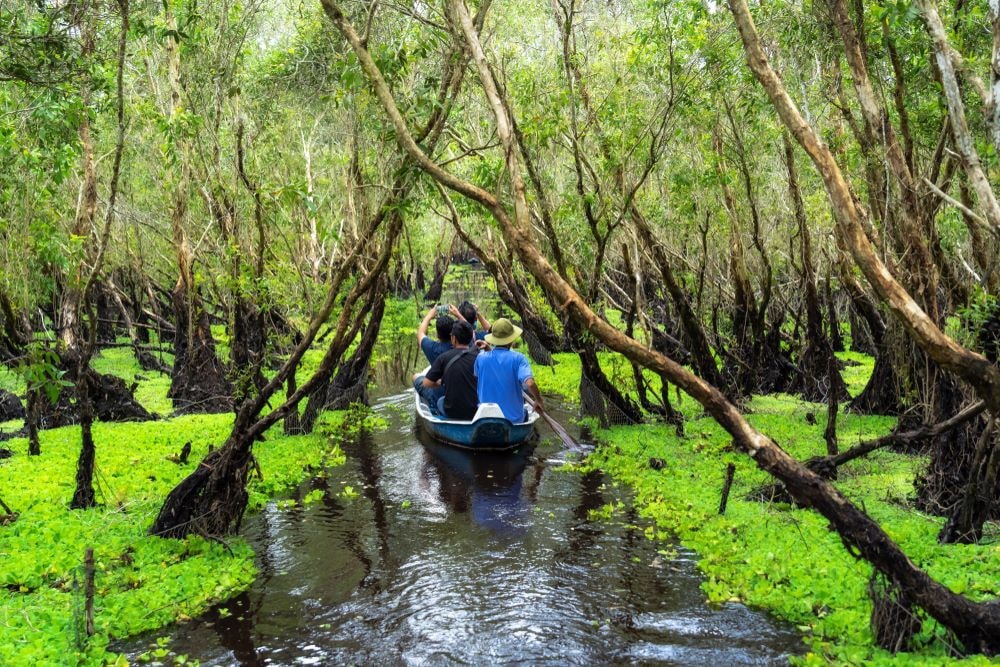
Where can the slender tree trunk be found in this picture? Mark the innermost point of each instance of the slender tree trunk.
(816, 380)
(31, 422)
(836, 338)
(964, 143)
(198, 382)
(976, 624)
(83, 496)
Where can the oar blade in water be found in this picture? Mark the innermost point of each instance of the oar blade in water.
(556, 427)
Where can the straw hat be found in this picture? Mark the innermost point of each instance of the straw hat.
(503, 332)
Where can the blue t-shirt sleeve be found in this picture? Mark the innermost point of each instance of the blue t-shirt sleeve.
(433, 348)
(523, 369)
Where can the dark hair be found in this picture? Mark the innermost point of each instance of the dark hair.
(444, 325)
(468, 311)
(462, 331)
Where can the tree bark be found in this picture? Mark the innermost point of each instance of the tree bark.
(963, 140)
(817, 381)
(976, 624)
(198, 382)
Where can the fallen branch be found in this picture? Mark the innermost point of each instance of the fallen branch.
(821, 464)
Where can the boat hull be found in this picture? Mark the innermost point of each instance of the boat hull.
(488, 430)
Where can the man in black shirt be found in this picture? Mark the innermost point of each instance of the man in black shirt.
(454, 370)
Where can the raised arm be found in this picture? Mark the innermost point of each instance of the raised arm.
(483, 322)
(426, 322)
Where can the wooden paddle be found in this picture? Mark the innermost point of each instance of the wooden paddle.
(554, 425)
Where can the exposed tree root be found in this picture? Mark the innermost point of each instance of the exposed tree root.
(212, 499)
(10, 406)
(113, 401)
(894, 620)
(199, 382)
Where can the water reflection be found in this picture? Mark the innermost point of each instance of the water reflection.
(487, 485)
(446, 557)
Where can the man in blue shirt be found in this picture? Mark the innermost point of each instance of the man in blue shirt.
(433, 349)
(503, 375)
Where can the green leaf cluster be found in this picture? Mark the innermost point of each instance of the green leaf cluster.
(788, 560)
(142, 582)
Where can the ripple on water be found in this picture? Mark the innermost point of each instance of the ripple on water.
(449, 558)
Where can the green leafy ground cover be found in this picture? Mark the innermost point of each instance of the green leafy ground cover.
(142, 582)
(773, 556)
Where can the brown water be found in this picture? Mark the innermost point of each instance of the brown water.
(457, 559)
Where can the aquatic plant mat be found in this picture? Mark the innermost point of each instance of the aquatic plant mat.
(787, 560)
(140, 582)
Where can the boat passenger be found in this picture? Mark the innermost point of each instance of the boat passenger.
(503, 374)
(453, 370)
(470, 312)
(432, 349)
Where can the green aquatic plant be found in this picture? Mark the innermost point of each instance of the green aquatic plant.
(142, 582)
(783, 559)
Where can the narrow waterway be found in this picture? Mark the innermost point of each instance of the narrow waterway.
(444, 557)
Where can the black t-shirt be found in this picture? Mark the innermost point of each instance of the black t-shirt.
(460, 396)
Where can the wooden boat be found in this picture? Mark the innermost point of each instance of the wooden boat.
(488, 430)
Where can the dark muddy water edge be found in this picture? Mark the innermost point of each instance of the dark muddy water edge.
(448, 558)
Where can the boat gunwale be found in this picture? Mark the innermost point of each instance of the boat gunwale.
(430, 421)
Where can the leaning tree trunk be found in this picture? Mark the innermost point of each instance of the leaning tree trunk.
(977, 625)
(350, 383)
(599, 396)
(542, 340)
(212, 499)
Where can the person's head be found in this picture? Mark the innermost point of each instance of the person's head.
(443, 325)
(461, 333)
(468, 311)
(503, 333)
